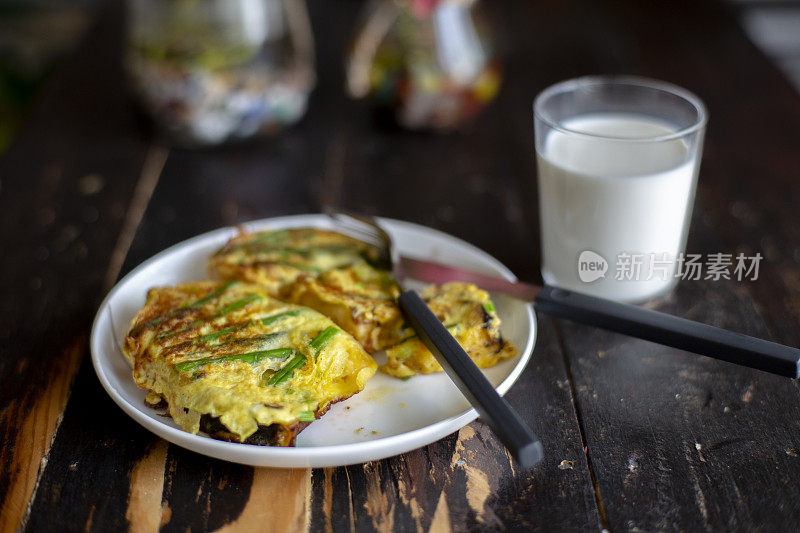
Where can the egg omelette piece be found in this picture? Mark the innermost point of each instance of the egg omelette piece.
(470, 316)
(361, 299)
(321, 269)
(276, 258)
(230, 360)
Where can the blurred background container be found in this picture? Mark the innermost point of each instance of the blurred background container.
(403, 74)
(427, 64)
(214, 71)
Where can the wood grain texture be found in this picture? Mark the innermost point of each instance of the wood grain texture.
(34, 430)
(61, 207)
(145, 513)
(636, 436)
(151, 171)
(683, 451)
(279, 501)
(443, 482)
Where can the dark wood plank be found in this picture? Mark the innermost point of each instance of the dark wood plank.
(467, 481)
(679, 441)
(220, 489)
(65, 184)
(321, 161)
(658, 460)
(85, 485)
(199, 191)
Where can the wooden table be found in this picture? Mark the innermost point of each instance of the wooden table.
(637, 436)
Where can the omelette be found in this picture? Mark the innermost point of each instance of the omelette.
(338, 276)
(327, 271)
(232, 361)
(361, 299)
(275, 259)
(471, 318)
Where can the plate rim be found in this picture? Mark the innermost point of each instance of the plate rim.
(308, 455)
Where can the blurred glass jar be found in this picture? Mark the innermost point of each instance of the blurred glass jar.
(431, 63)
(216, 71)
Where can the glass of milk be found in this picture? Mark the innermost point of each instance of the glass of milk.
(618, 159)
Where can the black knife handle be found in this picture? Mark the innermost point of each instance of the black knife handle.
(494, 410)
(670, 330)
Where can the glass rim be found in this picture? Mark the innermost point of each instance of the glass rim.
(637, 81)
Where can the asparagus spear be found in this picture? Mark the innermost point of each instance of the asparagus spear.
(251, 357)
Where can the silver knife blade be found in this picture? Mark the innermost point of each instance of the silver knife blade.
(431, 272)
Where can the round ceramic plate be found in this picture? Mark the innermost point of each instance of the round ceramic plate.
(390, 416)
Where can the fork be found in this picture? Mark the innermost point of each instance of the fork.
(506, 423)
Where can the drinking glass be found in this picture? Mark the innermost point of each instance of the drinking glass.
(214, 71)
(426, 65)
(618, 159)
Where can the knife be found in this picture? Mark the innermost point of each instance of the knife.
(631, 320)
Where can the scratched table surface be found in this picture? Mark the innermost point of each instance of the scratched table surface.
(637, 436)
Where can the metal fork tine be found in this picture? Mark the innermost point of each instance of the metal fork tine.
(370, 225)
(356, 222)
(367, 229)
(358, 231)
(359, 224)
(361, 236)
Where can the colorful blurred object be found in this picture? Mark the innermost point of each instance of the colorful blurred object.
(431, 63)
(216, 71)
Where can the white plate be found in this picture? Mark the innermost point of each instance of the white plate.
(389, 417)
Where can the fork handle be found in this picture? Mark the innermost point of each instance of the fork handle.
(494, 410)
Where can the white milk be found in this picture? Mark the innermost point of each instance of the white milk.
(612, 197)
